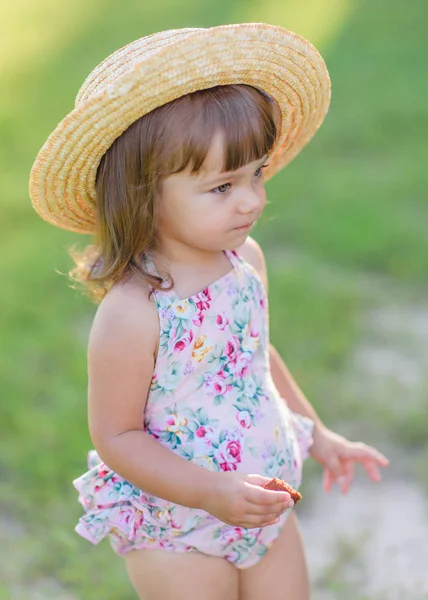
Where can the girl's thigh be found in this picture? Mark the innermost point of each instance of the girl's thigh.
(282, 573)
(161, 575)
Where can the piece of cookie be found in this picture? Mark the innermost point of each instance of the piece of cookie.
(280, 486)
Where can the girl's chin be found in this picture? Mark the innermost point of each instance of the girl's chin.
(227, 241)
(242, 233)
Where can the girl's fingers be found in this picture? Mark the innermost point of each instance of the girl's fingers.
(361, 452)
(277, 509)
(255, 479)
(328, 480)
(372, 470)
(258, 495)
(345, 479)
(258, 517)
(258, 521)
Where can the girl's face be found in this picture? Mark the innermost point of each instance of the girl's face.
(211, 210)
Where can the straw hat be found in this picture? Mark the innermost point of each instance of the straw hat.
(156, 69)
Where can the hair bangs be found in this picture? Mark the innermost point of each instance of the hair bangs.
(244, 114)
(250, 128)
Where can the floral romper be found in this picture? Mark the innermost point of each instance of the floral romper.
(212, 401)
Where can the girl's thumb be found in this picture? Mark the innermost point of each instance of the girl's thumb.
(257, 479)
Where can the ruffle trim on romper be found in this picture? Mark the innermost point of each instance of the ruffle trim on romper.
(116, 509)
(129, 518)
(304, 428)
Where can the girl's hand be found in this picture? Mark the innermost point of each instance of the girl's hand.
(338, 457)
(241, 501)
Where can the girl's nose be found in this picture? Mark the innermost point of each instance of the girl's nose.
(249, 201)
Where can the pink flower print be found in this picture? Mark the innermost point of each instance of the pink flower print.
(204, 432)
(201, 431)
(184, 341)
(233, 556)
(203, 440)
(100, 481)
(241, 367)
(228, 534)
(176, 521)
(203, 299)
(228, 455)
(232, 349)
(139, 520)
(174, 423)
(103, 471)
(217, 385)
(154, 382)
(198, 320)
(244, 418)
(222, 321)
(129, 521)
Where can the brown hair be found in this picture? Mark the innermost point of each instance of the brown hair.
(163, 142)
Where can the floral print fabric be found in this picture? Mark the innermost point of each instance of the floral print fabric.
(211, 401)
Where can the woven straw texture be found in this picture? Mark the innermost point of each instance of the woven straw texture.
(159, 68)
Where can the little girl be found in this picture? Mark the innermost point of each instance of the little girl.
(191, 410)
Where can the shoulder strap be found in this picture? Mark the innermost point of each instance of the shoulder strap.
(234, 258)
(161, 297)
(243, 265)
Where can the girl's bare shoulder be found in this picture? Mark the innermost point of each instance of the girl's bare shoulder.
(126, 314)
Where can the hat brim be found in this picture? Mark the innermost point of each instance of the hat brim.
(277, 61)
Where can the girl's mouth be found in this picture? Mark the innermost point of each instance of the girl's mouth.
(243, 227)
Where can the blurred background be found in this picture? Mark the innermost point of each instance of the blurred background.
(345, 235)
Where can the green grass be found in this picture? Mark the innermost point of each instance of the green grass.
(354, 202)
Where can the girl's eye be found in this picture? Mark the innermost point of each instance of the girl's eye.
(225, 187)
(259, 171)
(221, 189)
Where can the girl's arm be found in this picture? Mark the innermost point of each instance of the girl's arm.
(335, 453)
(121, 356)
(288, 388)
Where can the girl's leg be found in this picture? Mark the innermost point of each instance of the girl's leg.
(161, 575)
(282, 573)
